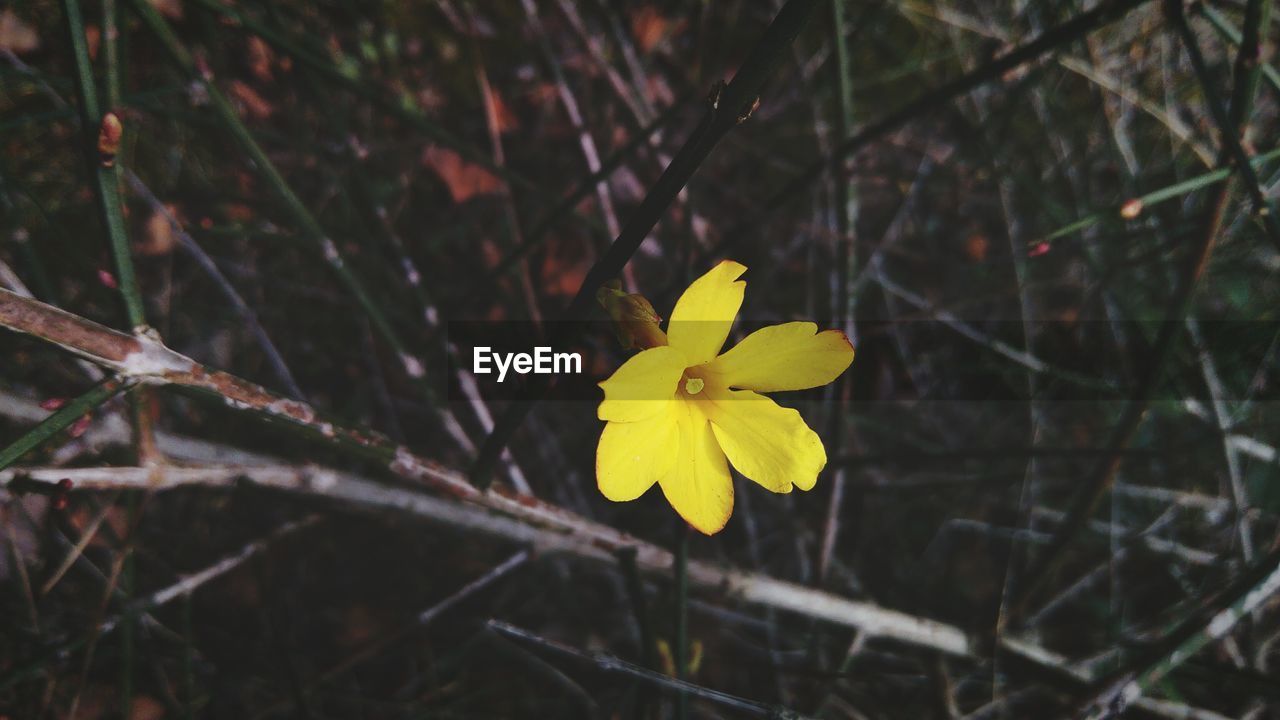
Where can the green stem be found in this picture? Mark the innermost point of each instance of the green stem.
(846, 195)
(63, 418)
(111, 31)
(733, 104)
(188, 662)
(128, 633)
(296, 207)
(1248, 65)
(106, 182)
(399, 107)
(1232, 34)
(681, 649)
(1161, 195)
(1071, 31)
(1228, 132)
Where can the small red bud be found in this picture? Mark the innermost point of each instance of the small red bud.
(79, 427)
(1038, 249)
(1131, 209)
(107, 279)
(52, 404)
(109, 134)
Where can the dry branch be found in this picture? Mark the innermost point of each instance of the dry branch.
(496, 510)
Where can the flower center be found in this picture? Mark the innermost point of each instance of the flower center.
(694, 385)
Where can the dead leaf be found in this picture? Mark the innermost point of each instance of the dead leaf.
(158, 235)
(117, 518)
(146, 708)
(92, 40)
(976, 246)
(648, 26)
(361, 624)
(15, 35)
(251, 103)
(464, 179)
(239, 212)
(171, 9)
(565, 265)
(260, 58)
(506, 120)
(22, 527)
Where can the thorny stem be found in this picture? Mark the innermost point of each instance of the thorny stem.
(496, 510)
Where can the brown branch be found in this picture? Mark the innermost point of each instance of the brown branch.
(496, 510)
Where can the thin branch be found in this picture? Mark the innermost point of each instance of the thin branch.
(206, 263)
(146, 360)
(1101, 477)
(182, 588)
(1210, 625)
(727, 110)
(96, 129)
(610, 664)
(1235, 480)
(308, 224)
(1050, 40)
(1228, 132)
(64, 417)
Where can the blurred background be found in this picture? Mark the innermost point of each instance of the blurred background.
(1045, 226)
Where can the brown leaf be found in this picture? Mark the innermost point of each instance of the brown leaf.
(15, 35)
(361, 624)
(506, 120)
(251, 103)
(158, 236)
(564, 265)
(260, 58)
(648, 26)
(171, 9)
(464, 179)
(145, 707)
(92, 40)
(82, 517)
(976, 247)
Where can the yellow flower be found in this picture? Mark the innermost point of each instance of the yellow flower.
(679, 412)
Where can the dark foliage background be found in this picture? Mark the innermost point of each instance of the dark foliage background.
(1045, 305)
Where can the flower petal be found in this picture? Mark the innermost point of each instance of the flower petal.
(703, 315)
(632, 456)
(790, 356)
(766, 442)
(642, 386)
(698, 485)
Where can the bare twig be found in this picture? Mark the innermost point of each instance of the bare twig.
(608, 663)
(143, 359)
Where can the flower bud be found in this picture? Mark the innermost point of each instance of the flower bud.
(634, 319)
(109, 134)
